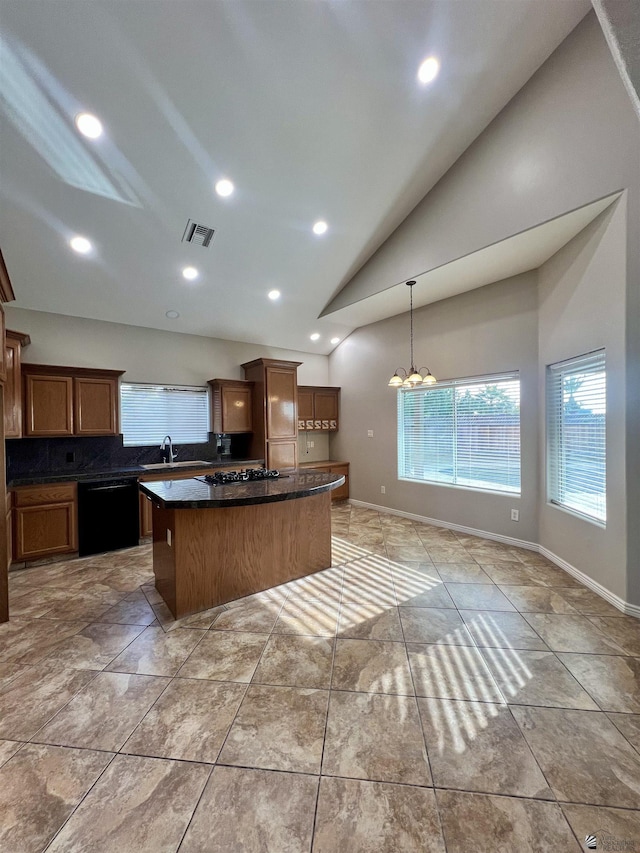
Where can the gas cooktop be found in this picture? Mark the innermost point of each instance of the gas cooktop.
(224, 478)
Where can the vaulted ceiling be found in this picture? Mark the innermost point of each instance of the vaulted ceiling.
(312, 109)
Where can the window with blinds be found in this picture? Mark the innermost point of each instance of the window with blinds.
(149, 412)
(576, 435)
(465, 432)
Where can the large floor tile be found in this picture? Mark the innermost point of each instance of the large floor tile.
(189, 721)
(9, 671)
(254, 616)
(462, 572)
(563, 633)
(39, 788)
(536, 678)
(477, 746)
(310, 617)
(477, 823)
(437, 596)
(375, 737)
(514, 574)
(34, 603)
(104, 713)
(253, 811)
(371, 666)
(7, 749)
(134, 611)
(451, 672)
(478, 596)
(614, 829)
(225, 656)
(278, 728)
(95, 646)
(613, 681)
(549, 574)
(625, 632)
(362, 621)
(538, 599)
(138, 804)
(583, 756)
(433, 625)
(27, 702)
(32, 640)
(629, 725)
(497, 630)
(296, 661)
(361, 817)
(589, 603)
(155, 652)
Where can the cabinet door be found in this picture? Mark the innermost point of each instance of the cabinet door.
(326, 405)
(146, 516)
(3, 366)
(281, 392)
(342, 492)
(13, 391)
(41, 531)
(236, 409)
(305, 407)
(48, 405)
(95, 406)
(282, 454)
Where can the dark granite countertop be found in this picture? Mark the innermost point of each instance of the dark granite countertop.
(134, 472)
(198, 494)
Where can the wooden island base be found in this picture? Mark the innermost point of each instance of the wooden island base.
(223, 553)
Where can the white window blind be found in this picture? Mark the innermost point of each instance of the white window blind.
(464, 432)
(576, 435)
(149, 412)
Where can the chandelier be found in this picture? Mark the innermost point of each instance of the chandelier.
(412, 377)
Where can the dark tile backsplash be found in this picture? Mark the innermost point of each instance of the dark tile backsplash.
(30, 456)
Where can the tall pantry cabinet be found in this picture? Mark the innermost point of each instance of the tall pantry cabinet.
(275, 411)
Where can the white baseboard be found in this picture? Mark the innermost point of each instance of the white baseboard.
(603, 592)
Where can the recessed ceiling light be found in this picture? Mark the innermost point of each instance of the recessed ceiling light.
(172, 315)
(335, 340)
(190, 273)
(428, 71)
(80, 245)
(314, 336)
(320, 227)
(89, 125)
(224, 187)
(274, 294)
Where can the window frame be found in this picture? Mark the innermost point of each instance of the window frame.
(590, 362)
(176, 437)
(460, 384)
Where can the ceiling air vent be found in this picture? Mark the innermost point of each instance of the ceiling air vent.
(200, 235)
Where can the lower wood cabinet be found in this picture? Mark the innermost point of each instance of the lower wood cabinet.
(340, 468)
(45, 521)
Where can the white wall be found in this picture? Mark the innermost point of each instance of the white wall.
(489, 330)
(147, 355)
(582, 308)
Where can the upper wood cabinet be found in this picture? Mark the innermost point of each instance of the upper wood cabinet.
(14, 344)
(275, 411)
(318, 408)
(231, 405)
(70, 400)
(45, 520)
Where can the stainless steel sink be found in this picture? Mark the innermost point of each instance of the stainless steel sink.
(157, 466)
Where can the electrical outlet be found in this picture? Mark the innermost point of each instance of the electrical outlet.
(311, 444)
(369, 433)
(168, 537)
(383, 490)
(515, 515)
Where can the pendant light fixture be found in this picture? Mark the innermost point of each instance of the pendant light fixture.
(413, 377)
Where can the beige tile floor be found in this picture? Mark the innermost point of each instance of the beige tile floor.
(428, 692)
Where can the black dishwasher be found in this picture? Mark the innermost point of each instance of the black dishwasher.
(108, 515)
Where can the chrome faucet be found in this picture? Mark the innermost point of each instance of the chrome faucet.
(172, 455)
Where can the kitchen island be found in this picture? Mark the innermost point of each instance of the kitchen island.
(215, 543)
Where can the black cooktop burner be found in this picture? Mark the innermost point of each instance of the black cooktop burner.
(223, 478)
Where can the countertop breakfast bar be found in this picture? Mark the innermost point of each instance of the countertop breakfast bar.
(215, 543)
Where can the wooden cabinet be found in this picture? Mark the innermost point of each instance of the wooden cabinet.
(45, 520)
(70, 400)
(318, 408)
(14, 343)
(275, 408)
(146, 516)
(329, 467)
(231, 405)
(9, 528)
